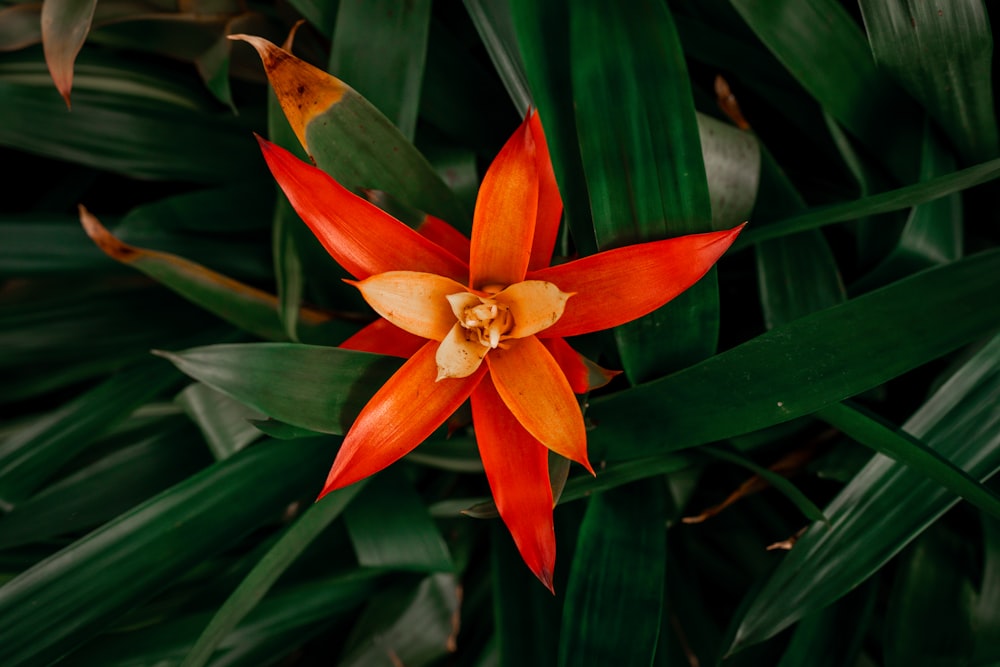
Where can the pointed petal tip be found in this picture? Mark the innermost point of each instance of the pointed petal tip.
(545, 576)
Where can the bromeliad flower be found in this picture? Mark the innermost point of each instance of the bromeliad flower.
(485, 320)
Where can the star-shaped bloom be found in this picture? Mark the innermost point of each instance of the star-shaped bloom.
(486, 319)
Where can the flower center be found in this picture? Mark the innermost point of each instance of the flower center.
(487, 321)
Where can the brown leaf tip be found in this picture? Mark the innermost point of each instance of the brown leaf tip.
(104, 240)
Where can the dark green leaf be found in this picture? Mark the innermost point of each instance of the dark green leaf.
(159, 456)
(390, 528)
(886, 505)
(144, 123)
(225, 423)
(910, 451)
(543, 36)
(615, 593)
(64, 599)
(266, 572)
(643, 162)
(932, 577)
(279, 379)
(379, 49)
(826, 51)
(38, 450)
(798, 368)
(941, 56)
(884, 202)
(418, 634)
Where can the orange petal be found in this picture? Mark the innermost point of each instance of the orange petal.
(550, 204)
(535, 389)
(446, 236)
(503, 225)
(620, 285)
(413, 301)
(303, 91)
(361, 237)
(516, 467)
(570, 362)
(384, 337)
(407, 409)
(534, 305)
(458, 356)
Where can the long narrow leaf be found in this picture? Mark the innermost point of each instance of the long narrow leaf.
(886, 504)
(271, 566)
(798, 368)
(61, 601)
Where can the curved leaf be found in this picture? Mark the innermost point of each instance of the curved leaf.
(800, 367)
(280, 379)
(65, 24)
(61, 601)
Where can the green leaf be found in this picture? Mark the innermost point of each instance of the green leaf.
(796, 274)
(131, 119)
(390, 528)
(495, 25)
(932, 577)
(884, 202)
(243, 305)
(418, 634)
(732, 160)
(54, 336)
(826, 51)
(941, 56)
(886, 505)
(275, 628)
(986, 611)
(623, 472)
(63, 600)
(543, 37)
(832, 637)
(225, 423)
(35, 452)
(279, 379)
(780, 483)
(158, 456)
(379, 48)
(795, 369)
(65, 24)
(868, 430)
(526, 615)
(638, 137)
(933, 233)
(295, 539)
(615, 593)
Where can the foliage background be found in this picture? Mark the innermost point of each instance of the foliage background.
(837, 378)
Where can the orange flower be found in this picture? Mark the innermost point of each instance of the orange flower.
(486, 319)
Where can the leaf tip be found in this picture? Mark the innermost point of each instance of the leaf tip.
(104, 239)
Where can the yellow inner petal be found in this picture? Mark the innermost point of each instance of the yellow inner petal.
(413, 301)
(534, 305)
(459, 354)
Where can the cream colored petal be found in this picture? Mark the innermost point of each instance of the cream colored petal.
(462, 300)
(535, 305)
(413, 301)
(457, 356)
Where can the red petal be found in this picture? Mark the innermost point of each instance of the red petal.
(621, 285)
(550, 204)
(517, 467)
(361, 237)
(407, 409)
(503, 225)
(446, 236)
(535, 390)
(384, 337)
(571, 364)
